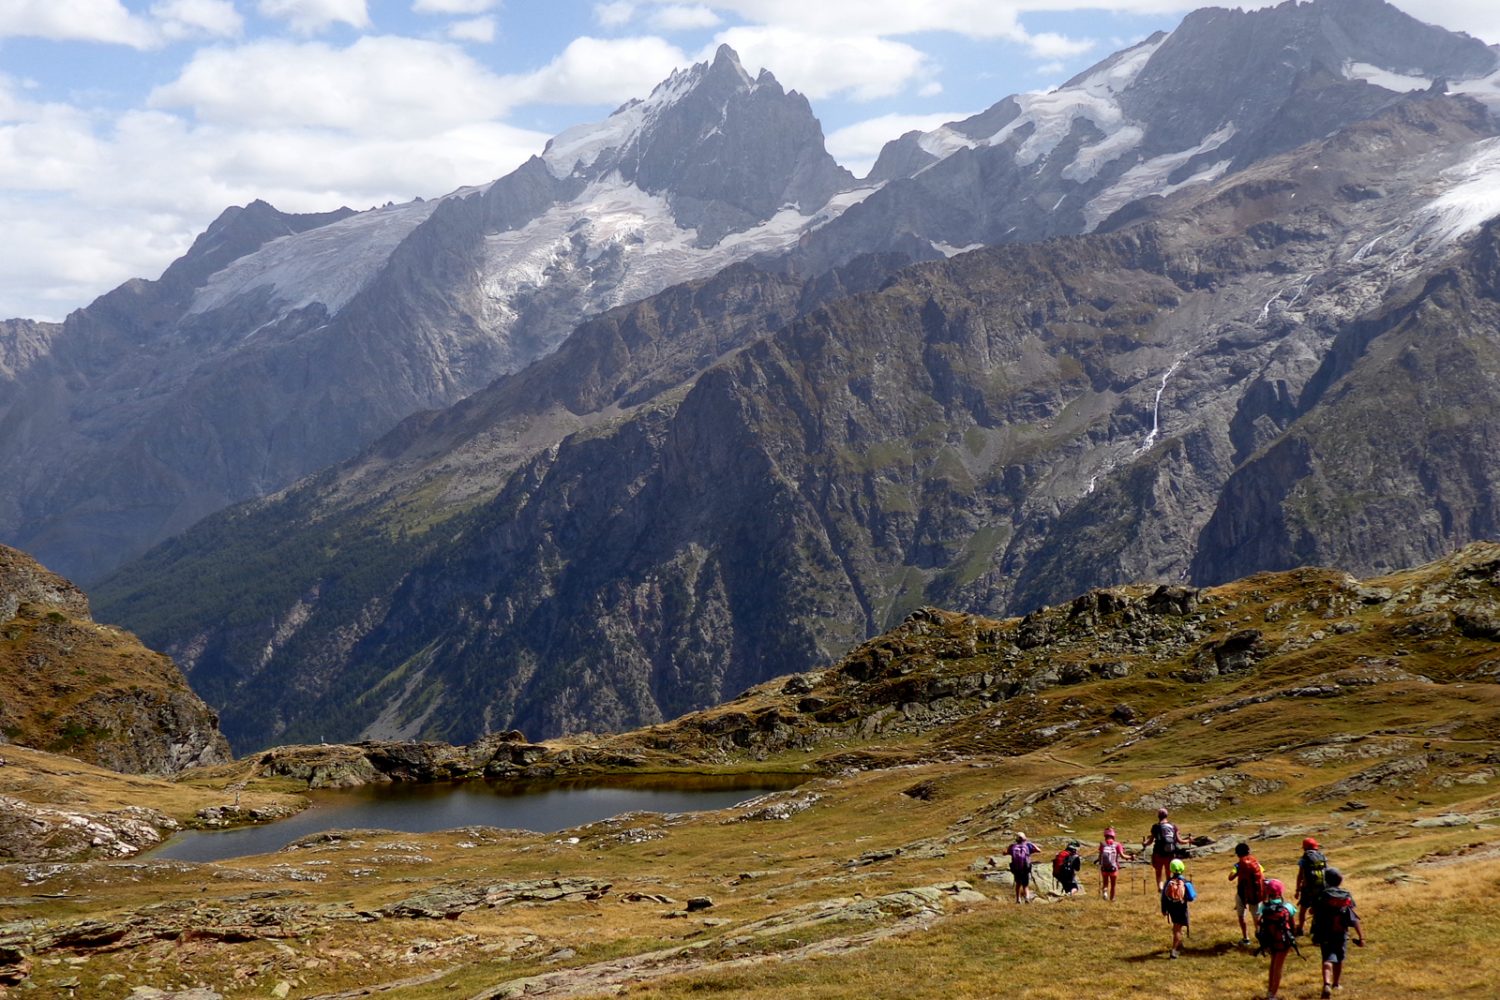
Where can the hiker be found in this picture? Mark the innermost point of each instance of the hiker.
(1065, 867)
(1020, 866)
(1176, 893)
(1333, 914)
(1112, 855)
(1311, 868)
(1163, 840)
(1276, 931)
(1249, 881)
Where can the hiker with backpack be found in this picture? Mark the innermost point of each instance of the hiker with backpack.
(1112, 855)
(1164, 841)
(1065, 868)
(1249, 881)
(1333, 915)
(1311, 868)
(1276, 930)
(1176, 893)
(1020, 866)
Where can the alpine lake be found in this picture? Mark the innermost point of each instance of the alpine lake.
(412, 807)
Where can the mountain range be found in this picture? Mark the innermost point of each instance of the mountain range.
(1228, 304)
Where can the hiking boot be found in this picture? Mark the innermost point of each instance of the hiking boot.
(1327, 991)
(1244, 941)
(1172, 953)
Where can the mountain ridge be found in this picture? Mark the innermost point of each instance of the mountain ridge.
(990, 432)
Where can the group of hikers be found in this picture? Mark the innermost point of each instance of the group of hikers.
(1275, 922)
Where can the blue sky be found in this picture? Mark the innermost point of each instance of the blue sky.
(126, 126)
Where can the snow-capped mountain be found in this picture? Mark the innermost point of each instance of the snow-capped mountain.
(1223, 90)
(281, 343)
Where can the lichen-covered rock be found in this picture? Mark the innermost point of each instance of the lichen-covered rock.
(31, 832)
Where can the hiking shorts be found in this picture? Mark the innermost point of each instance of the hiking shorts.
(1241, 904)
(1023, 877)
(1333, 951)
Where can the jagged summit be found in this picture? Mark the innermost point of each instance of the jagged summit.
(183, 395)
(727, 151)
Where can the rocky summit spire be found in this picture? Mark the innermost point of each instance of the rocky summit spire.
(727, 150)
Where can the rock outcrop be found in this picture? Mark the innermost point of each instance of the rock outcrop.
(73, 686)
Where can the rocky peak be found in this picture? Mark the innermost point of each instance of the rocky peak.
(1242, 66)
(727, 150)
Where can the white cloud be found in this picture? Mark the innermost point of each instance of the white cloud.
(974, 18)
(682, 17)
(453, 6)
(309, 16)
(931, 88)
(861, 67)
(1050, 45)
(473, 29)
(857, 146)
(180, 19)
(615, 14)
(598, 71)
(75, 20)
(377, 85)
(89, 205)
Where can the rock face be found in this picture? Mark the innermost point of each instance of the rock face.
(283, 343)
(990, 432)
(72, 686)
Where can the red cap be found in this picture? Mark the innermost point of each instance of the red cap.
(1110, 832)
(1275, 888)
(1309, 844)
(1162, 812)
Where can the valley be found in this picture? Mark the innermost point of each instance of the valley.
(1365, 713)
(679, 566)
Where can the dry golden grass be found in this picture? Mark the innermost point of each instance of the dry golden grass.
(1275, 739)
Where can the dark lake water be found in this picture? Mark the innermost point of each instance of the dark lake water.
(414, 808)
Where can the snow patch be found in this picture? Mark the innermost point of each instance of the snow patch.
(1150, 178)
(652, 252)
(949, 250)
(1485, 89)
(1389, 79)
(581, 146)
(1090, 159)
(944, 141)
(1473, 199)
(329, 264)
(1052, 114)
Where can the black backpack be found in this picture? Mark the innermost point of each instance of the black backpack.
(1166, 839)
(1277, 930)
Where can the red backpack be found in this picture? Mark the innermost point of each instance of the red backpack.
(1336, 908)
(1251, 879)
(1277, 930)
(1060, 863)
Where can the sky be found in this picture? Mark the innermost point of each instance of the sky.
(127, 126)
